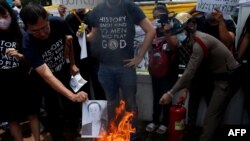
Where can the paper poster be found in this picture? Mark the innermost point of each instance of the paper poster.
(94, 118)
(244, 2)
(76, 82)
(82, 43)
(76, 4)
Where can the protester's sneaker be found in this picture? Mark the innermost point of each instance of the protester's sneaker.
(151, 127)
(161, 129)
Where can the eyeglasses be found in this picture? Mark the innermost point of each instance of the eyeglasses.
(42, 29)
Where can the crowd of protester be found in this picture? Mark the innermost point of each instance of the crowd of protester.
(40, 52)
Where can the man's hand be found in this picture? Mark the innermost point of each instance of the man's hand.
(81, 29)
(166, 98)
(218, 16)
(80, 97)
(167, 27)
(74, 69)
(182, 96)
(14, 53)
(133, 62)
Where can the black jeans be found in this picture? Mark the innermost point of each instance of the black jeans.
(61, 112)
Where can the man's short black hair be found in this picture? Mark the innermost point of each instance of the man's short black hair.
(31, 12)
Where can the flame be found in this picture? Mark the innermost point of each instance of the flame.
(122, 131)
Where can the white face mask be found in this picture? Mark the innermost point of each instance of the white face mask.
(181, 36)
(156, 24)
(5, 23)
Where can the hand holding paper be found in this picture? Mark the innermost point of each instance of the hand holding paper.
(76, 82)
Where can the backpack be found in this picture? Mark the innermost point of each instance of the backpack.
(159, 61)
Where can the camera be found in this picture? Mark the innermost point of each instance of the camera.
(164, 18)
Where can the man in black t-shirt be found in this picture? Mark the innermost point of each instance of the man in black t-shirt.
(112, 42)
(44, 47)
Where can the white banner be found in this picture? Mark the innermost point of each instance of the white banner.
(244, 1)
(76, 4)
(225, 6)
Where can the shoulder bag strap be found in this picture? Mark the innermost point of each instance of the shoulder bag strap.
(79, 19)
(202, 44)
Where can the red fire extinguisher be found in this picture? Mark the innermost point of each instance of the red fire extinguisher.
(176, 122)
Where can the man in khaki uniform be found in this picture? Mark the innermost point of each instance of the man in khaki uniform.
(217, 59)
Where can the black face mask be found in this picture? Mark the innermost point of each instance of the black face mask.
(114, 2)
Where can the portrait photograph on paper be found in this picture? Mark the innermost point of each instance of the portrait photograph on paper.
(94, 118)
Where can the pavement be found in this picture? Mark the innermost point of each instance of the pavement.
(45, 136)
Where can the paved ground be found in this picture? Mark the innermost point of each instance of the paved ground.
(143, 135)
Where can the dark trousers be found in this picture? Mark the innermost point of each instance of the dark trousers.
(225, 86)
(160, 86)
(89, 71)
(201, 87)
(61, 112)
(245, 78)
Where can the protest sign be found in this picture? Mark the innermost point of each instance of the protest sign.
(225, 6)
(244, 1)
(76, 4)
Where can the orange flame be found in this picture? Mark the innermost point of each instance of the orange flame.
(123, 130)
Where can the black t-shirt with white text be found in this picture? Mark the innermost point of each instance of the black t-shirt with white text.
(51, 50)
(116, 30)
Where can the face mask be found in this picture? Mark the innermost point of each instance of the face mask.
(156, 23)
(181, 36)
(5, 23)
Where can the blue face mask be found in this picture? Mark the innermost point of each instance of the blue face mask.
(181, 36)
